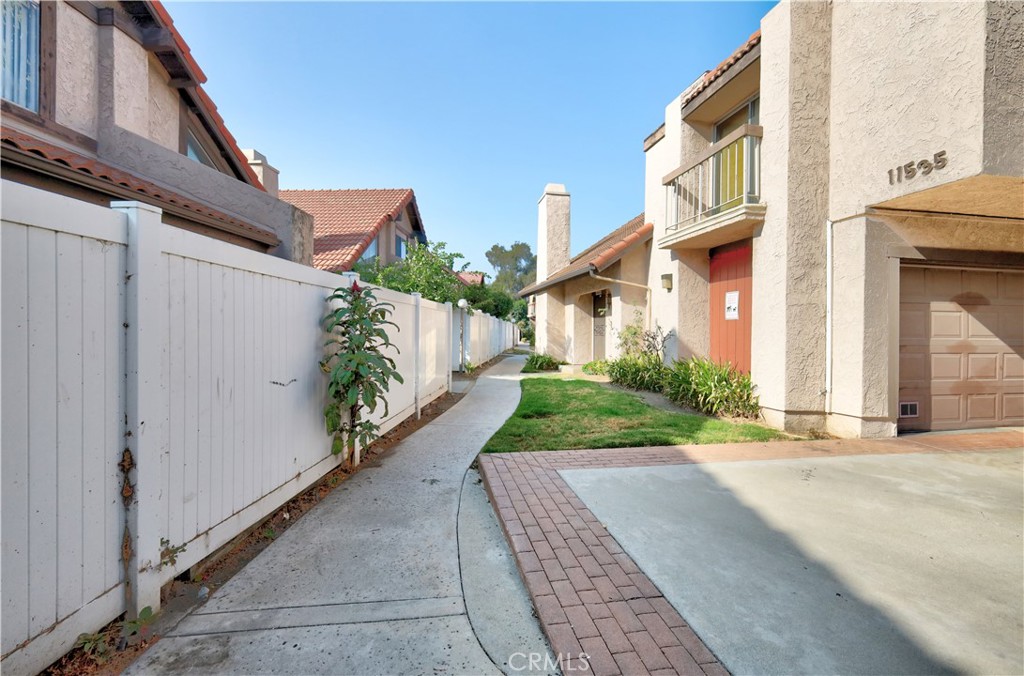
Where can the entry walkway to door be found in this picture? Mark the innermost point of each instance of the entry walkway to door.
(843, 556)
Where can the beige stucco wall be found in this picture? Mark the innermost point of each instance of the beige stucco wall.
(140, 99)
(130, 84)
(565, 312)
(550, 323)
(659, 160)
(787, 346)
(76, 71)
(164, 108)
(1004, 88)
(926, 94)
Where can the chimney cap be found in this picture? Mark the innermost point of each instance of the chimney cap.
(554, 189)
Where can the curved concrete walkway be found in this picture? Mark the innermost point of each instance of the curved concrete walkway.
(369, 581)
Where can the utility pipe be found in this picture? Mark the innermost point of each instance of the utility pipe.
(646, 288)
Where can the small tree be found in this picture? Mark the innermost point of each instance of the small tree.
(426, 269)
(360, 373)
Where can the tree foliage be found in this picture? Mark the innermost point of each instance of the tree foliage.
(427, 269)
(489, 299)
(515, 266)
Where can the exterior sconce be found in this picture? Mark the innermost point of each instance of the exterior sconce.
(666, 282)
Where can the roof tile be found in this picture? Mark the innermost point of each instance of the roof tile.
(346, 221)
(705, 81)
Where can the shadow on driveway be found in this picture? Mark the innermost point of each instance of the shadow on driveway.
(863, 564)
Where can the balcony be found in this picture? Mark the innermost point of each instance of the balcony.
(716, 199)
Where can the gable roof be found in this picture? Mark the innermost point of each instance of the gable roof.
(20, 148)
(346, 221)
(599, 255)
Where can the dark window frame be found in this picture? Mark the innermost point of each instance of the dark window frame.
(44, 118)
(190, 125)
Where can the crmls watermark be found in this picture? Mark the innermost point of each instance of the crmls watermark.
(544, 662)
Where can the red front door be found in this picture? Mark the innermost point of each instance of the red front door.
(731, 268)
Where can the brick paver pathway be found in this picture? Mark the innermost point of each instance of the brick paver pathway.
(589, 595)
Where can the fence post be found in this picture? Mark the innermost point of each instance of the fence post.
(417, 344)
(146, 414)
(467, 339)
(451, 359)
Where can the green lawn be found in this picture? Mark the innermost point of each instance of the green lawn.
(565, 414)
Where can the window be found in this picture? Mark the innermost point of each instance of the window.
(195, 151)
(371, 252)
(400, 246)
(21, 54)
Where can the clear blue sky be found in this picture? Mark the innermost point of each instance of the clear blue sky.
(476, 106)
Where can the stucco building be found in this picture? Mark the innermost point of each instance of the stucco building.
(579, 304)
(103, 101)
(838, 208)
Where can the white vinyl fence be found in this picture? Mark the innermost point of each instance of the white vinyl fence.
(477, 338)
(157, 385)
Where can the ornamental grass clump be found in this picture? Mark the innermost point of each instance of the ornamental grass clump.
(360, 372)
(713, 389)
(643, 371)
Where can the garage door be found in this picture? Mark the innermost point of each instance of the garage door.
(961, 348)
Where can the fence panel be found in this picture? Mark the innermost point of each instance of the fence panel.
(62, 399)
(213, 347)
(245, 394)
(435, 352)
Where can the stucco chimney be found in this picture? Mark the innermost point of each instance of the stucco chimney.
(552, 230)
(266, 173)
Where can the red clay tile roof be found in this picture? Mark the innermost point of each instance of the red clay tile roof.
(11, 139)
(471, 278)
(598, 255)
(346, 221)
(162, 17)
(705, 81)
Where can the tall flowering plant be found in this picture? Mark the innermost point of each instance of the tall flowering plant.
(359, 371)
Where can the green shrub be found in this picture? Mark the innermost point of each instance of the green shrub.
(714, 389)
(643, 371)
(536, 363)
(635, 340)
(598, 367)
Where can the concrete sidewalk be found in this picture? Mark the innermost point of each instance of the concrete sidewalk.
(369, 581)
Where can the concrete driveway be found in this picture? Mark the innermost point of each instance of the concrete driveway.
(899, 562)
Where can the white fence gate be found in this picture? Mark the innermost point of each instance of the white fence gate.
(127, 340)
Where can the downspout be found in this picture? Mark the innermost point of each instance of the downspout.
(647, 319)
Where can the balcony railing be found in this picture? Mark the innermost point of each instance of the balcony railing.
(727, 177)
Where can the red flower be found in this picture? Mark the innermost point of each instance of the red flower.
(355, 287)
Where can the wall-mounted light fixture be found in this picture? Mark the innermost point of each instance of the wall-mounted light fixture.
(666, 282)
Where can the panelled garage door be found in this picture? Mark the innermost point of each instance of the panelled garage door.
(961, 348)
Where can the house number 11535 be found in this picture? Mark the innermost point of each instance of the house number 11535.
(911, 169)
